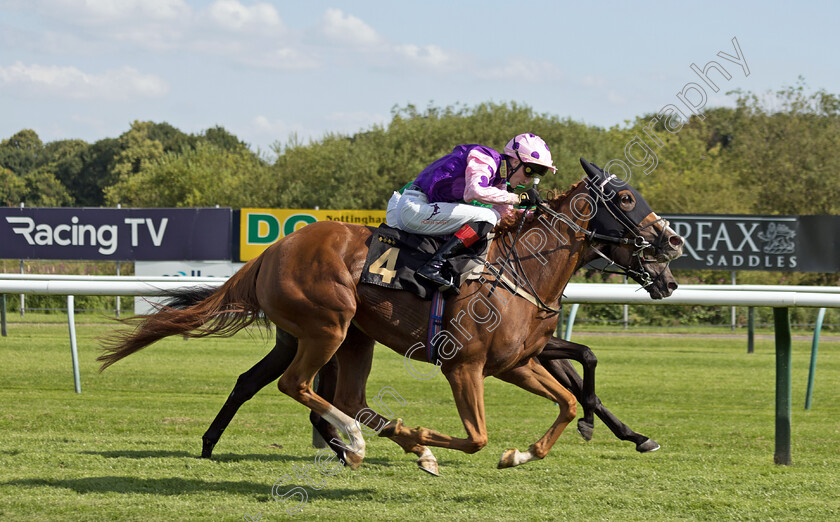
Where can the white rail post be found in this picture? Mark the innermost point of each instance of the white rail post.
(734, 317)
(118, 297)
(22, 298)
(626, 307)
(119, 205)
(71, 322)
(571, 322)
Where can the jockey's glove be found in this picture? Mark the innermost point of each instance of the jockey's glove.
(529, 198)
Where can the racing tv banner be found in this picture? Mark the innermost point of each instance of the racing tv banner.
(128, 234)
(259, 228)
(747, 242)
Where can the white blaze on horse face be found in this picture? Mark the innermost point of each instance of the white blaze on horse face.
(347, 425)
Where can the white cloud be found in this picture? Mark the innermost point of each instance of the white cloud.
(262, 129)
(279, 131)
(248, 32)
(89, 121)
(515, 69)
(615, 98)
(148, 24)
(430, 56)
(347, 29)
(251, 34)
(97, 12)
(593, 81)
(283, 58)
(262, 125)
(720, 100)
(69, 82)
(353, 122)
(234, 16)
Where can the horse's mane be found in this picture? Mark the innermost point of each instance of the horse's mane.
(510, 222)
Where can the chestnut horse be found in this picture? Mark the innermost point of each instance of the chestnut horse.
(307, 284)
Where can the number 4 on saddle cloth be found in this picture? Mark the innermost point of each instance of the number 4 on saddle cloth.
(395, 255)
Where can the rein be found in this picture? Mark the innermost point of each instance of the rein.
(515, 288)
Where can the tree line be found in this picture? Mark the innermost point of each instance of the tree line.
(773, 153)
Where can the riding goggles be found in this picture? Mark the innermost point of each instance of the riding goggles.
(532, 169)
(529, 169)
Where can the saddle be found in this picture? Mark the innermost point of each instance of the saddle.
(394, 256)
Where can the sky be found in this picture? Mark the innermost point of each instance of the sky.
(270, 70)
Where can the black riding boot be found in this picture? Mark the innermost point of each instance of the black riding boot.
(431, 270)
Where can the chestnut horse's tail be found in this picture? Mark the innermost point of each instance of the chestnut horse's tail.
(192, 312)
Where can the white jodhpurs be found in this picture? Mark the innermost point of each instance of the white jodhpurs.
(412, 212)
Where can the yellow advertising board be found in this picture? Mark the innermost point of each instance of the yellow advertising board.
(260, 227)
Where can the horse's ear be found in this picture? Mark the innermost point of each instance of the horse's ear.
(591, 170)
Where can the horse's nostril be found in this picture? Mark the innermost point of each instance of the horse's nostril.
(672, 286)
(675, 241)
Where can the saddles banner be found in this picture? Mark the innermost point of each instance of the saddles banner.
(772, 243)
(116, 234)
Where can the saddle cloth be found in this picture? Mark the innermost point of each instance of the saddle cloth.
(395, 255)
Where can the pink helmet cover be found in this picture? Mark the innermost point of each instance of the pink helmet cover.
(531, 149)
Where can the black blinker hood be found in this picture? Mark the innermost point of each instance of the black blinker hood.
(604, 189)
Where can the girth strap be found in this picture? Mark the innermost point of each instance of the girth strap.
(435, 327)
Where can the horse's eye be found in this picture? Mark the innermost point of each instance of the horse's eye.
(626, 200)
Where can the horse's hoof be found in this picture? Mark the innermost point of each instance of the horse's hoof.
(429, 465)
(585, 429)
(508, 459)
(391, 429)
(353, 460)
(207, 449)
(647, 446)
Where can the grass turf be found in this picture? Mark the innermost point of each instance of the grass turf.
(126, 447)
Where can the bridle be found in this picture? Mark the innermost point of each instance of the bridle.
(641, 247)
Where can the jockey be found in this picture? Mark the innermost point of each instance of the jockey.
(465, 193)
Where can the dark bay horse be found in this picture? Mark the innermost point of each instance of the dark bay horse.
(307, 284)
(554, 357)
